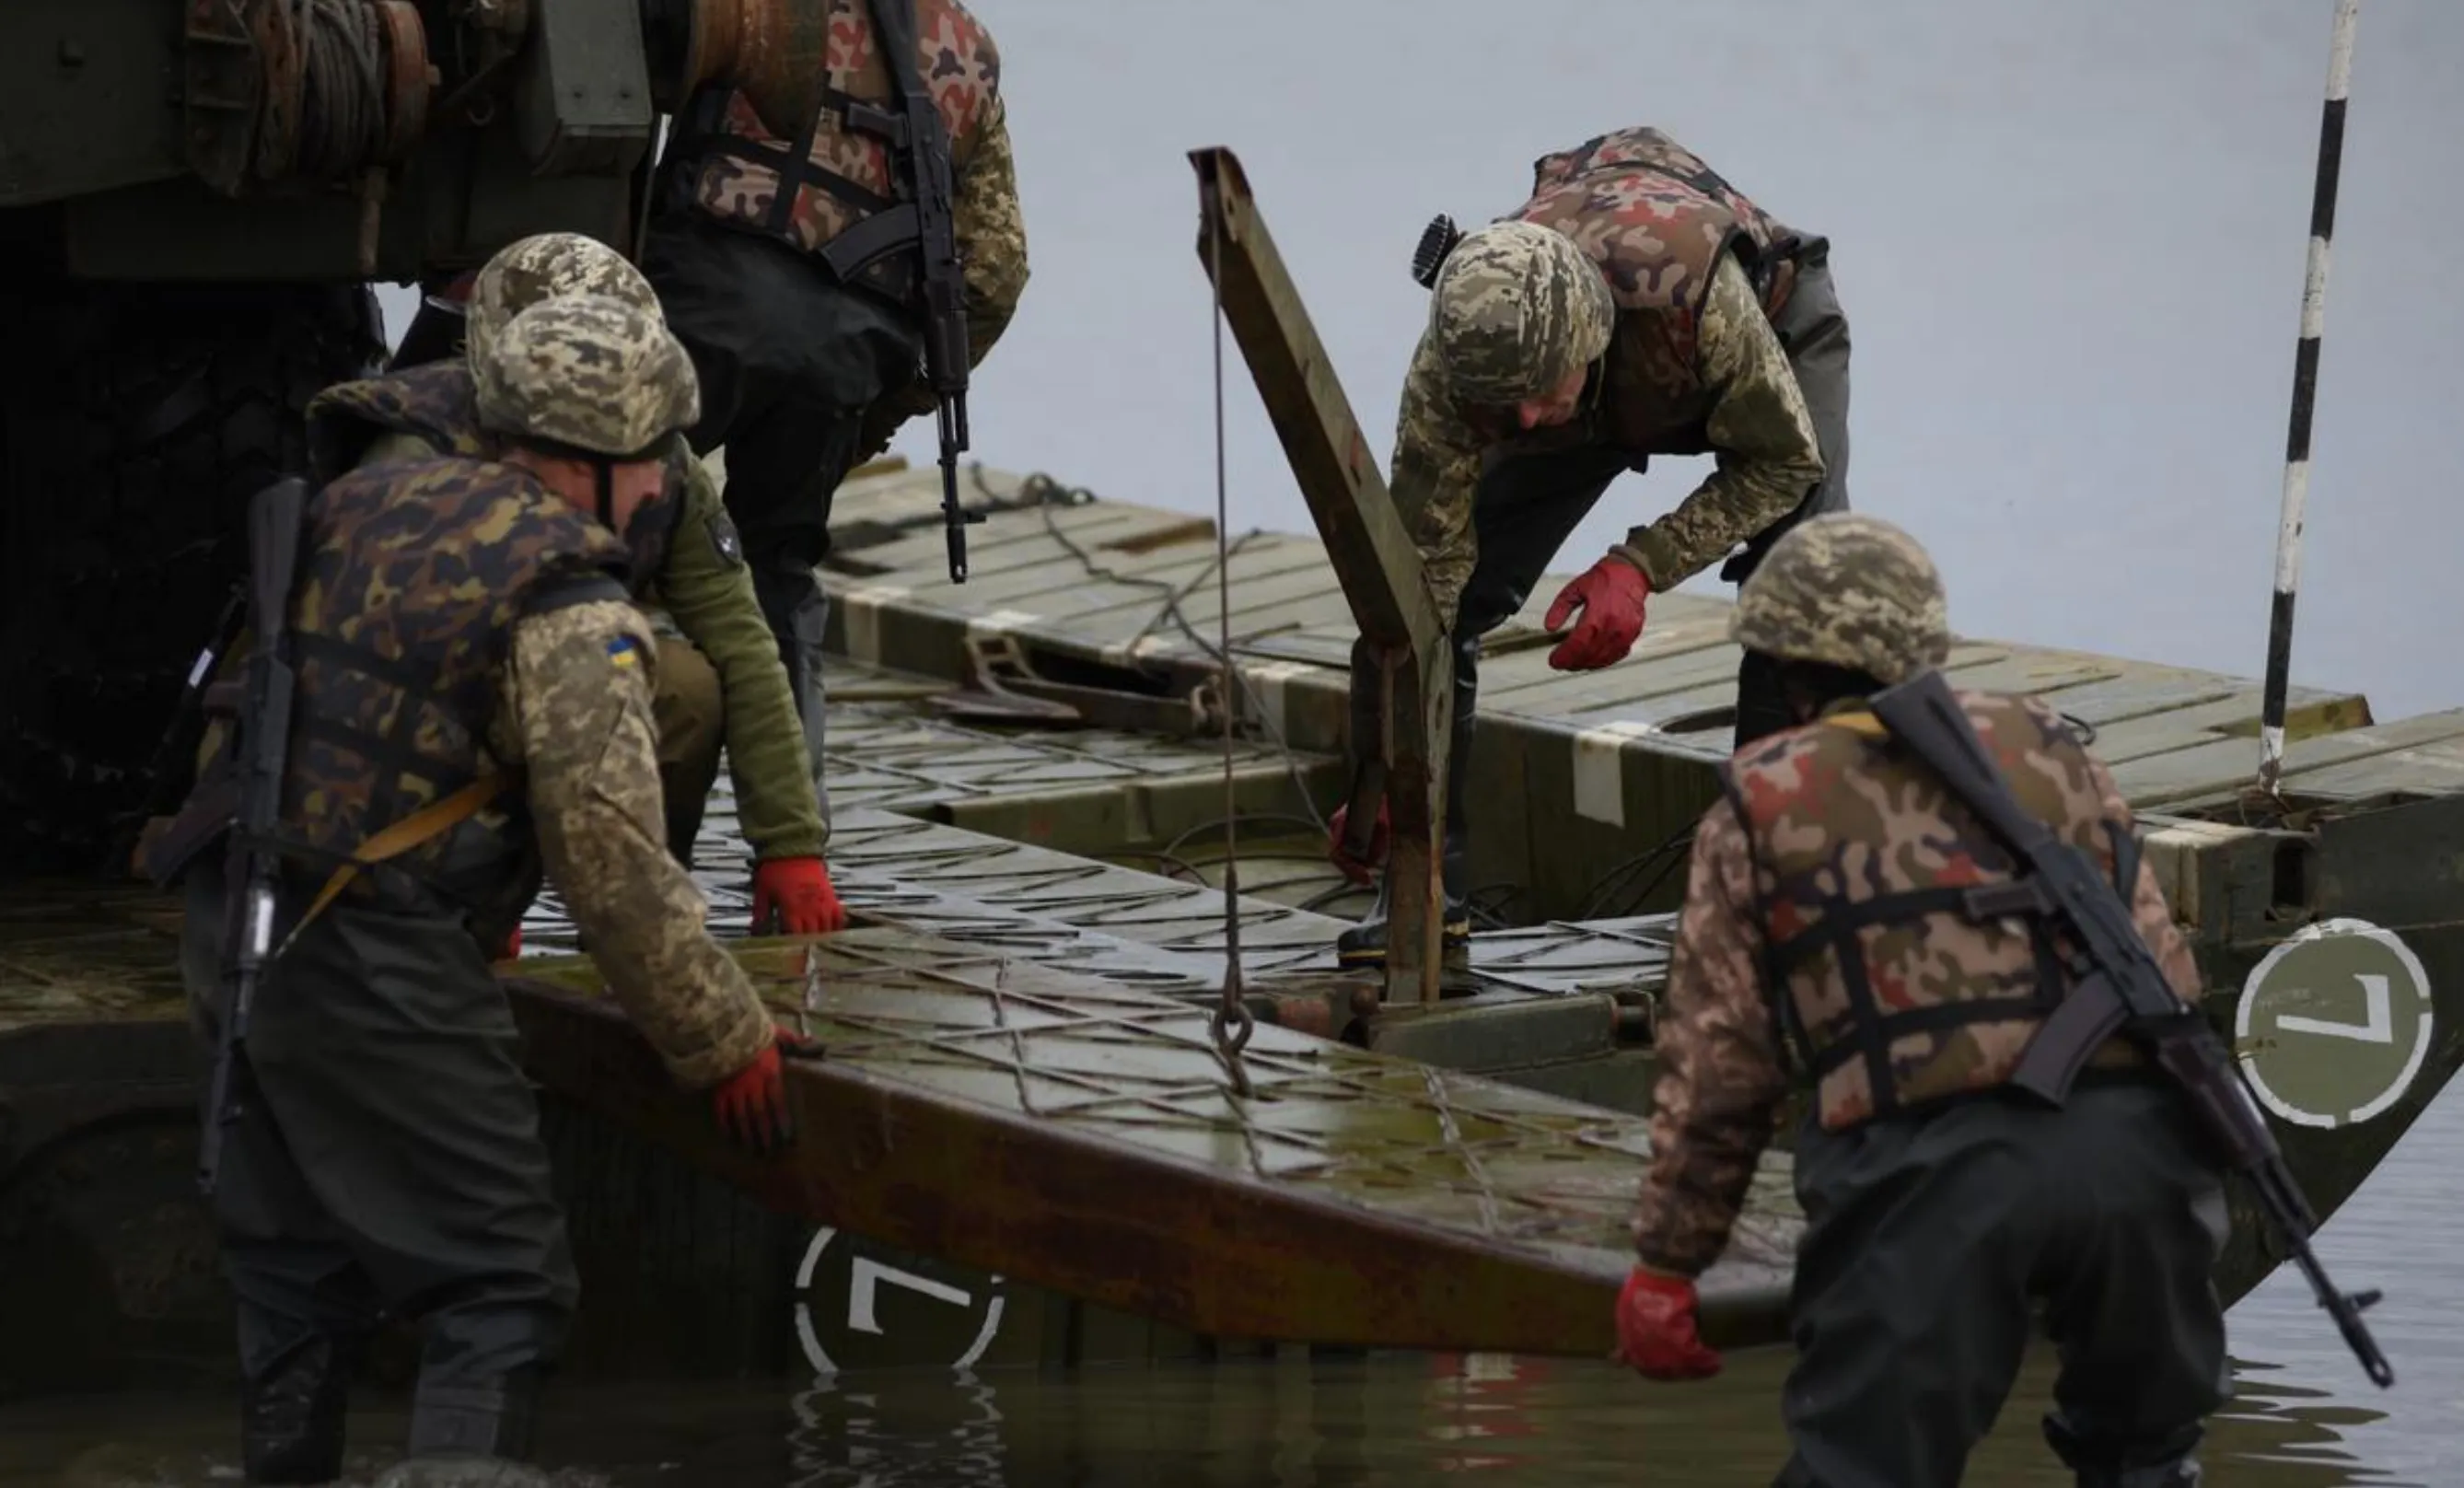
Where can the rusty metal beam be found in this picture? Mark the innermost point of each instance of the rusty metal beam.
(1373, 556)
(1079, 1136)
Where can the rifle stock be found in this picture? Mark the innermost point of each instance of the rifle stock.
(2120, 987)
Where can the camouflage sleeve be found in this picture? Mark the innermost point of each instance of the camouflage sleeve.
(1437, 473)
(577, 696)
(1761, 433)
(1721, 1079)
(707, 586)
(991, 233)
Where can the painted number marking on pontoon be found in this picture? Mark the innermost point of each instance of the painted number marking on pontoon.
(2335, 1024)
(867, 1277)
(2378, 1028)
(950, 1319)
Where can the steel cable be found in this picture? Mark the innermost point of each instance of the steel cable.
(342, 90)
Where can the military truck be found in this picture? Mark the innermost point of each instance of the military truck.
(195, 199)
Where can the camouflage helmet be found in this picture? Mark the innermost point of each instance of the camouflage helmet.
(587, 371)
(546, 266)
(1516, 310)
(1851, 590)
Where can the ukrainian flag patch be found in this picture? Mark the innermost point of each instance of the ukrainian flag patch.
(624, 652)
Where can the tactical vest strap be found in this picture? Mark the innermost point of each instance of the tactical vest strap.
(1771, 271)
(1979, 904)
(1874, 1028)
(888, 225)
(705, 136)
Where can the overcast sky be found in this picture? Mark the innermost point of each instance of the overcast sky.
(2068, 236)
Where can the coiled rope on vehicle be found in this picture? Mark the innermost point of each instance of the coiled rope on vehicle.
(342, 91)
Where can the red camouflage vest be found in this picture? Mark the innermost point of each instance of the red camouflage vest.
(1656, 220)
(729, 155)
(1907, 963)
(411, 576)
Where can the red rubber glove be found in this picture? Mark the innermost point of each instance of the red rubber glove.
(1360, 871)
(751, 1103)
(1656, 1324)
(1611, 593)
(799, 889)
(512, 948)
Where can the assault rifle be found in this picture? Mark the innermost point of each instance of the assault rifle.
(919, 151)
(2119, 988)
(263, 750)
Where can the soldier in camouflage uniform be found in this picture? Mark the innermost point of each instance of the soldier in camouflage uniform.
(810, 358)
(1832, 912)
(1636, 305)
(720, 680)
(472, 708)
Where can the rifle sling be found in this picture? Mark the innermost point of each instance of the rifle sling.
(424, 825)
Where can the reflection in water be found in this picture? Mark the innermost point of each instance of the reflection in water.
(1399, 1418)
(896, 1429)
(1331, 1422)
(1324, 1421)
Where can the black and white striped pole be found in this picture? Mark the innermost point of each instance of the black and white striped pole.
(2305, 392)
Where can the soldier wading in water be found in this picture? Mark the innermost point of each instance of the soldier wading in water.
(1833, 910)
(472, 705)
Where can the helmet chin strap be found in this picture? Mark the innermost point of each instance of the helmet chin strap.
(606, 496)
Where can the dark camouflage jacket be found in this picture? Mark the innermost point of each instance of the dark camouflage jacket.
(1818, 821)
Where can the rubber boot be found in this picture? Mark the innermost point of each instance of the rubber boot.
(2100, 1466)
(291, 1421)
(471, 1436)
(2182, 1473)
(1364, 943)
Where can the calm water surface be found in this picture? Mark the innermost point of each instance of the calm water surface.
(2304, 1416)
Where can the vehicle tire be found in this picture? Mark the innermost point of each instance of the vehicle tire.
(136, 422)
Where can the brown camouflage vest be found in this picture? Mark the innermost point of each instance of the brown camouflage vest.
(434, 401)
(728, 153)
(1903, 969)
(1656, 220)
(412, 575)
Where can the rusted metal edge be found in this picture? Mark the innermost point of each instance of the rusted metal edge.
(1111, 1225)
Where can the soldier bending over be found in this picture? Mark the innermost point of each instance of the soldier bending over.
(472, 705)
(1835, 890)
